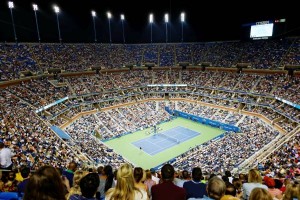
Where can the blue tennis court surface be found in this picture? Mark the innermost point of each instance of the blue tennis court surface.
(164, 140)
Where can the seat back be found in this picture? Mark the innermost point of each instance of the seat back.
(9, 196)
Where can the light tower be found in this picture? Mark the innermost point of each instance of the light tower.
(151, 19)
(35, 8)
(109, 17)
(166, 22)
(182, 19)
(11, 6)
(95, 33)
(122, 20)
(56, 10)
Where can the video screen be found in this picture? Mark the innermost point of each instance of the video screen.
(263, 30)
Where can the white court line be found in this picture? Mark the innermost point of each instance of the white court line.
(183, 132)
(142, 150)
(175, 133)
(149, 153)
(165, 146)
(153, 143)
(162, 149)
(159, 148)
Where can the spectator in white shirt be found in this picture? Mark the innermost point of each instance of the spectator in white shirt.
(5, 157)
(154, 177)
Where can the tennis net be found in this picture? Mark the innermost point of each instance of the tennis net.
(169, 137)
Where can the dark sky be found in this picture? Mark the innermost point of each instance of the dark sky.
(205, 20)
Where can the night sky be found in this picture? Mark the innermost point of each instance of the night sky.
(205, 21)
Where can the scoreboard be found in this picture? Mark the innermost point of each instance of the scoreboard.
(263, 29)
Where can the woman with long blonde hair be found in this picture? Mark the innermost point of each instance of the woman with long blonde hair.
(254, 181)
(260, 194)
(125, 189)
(292, 192)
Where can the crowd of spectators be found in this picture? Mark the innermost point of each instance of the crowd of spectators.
(29, 137)
(113, 86)
(34, 144)
(131, 182)
(38, 58)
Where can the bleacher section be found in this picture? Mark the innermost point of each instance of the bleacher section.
(270, 54)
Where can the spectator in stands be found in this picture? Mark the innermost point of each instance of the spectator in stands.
(225, 179)
(275, 192)
(125, 188)
(10, 184)
(254, 181)
(99, 170)
(139, 176)
(154, 176)
(243, 178)
(106, 181)
(45, 183)
(238, 187)
(149, 182)
(286, 182)
(184, 177)
(260, 194)
(292, 192)
(5, 157)
(215, 189)
(88, 187)
(25, 171)
(195, 188)
(228, 174)
(167, 189)
(231, 193)
(69, 173)
(78, 175)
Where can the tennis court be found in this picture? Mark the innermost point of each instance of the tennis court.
(125, 147)
(164, 140)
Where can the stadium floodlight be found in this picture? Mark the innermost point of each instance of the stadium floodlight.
(11, 6)
(151, 19)
(93, 13)
(109, 17)
(182, 19)
(122, 21)
(56, 10)
(166, 21)
(166, 18)
(93, 16)
(35, 8)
